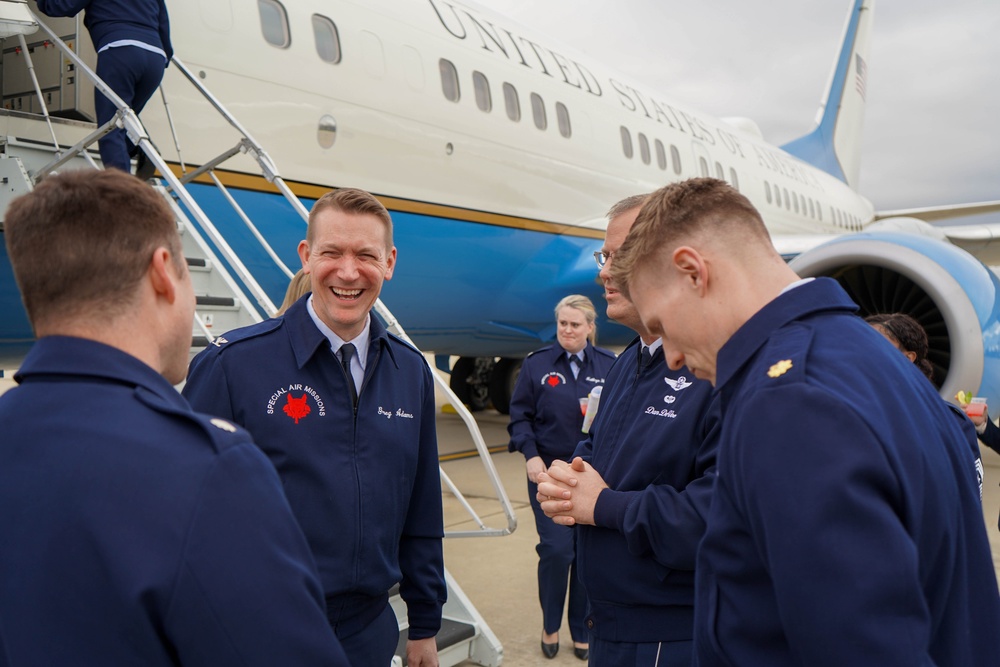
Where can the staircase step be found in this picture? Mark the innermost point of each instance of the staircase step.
(206, 300)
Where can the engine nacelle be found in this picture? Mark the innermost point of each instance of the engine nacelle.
(947, 290)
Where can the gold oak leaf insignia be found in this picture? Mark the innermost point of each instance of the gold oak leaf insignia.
(779, 368)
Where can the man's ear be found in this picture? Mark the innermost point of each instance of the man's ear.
(304, 255)
(390, 263)
(163, 275)
(691, 267)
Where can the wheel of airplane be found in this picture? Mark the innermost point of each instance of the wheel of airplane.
(502, 383)
(470, 377)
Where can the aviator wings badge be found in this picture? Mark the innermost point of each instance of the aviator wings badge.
(679, 383)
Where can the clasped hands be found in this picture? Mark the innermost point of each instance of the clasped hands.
(568, 492)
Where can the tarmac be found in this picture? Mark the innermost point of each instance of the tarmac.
(498, 573)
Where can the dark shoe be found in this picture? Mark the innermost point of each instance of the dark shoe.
(550, 650)
(144, 169)
(581, 653)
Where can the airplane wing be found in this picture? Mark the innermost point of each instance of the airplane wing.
(980, 240)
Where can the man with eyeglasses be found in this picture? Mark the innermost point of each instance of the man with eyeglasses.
(638, 488)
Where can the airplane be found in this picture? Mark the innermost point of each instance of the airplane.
(497, 152)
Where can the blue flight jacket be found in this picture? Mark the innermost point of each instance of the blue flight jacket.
(846, 527)
(653, 442)
(137, 532)
(545, 414)
(108, 21)
(365, 487)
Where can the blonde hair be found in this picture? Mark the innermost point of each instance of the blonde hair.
(585, 306)
(299, 286)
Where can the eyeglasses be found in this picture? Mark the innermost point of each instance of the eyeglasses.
(601, 258)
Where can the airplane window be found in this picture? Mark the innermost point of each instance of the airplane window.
(274, 23)
(482, 87)
(767, 191)
(733, 180)
(788, 203)
(562, 115)
(644, 148)
(626, 142)
(327, 39)
(538, 111)
(449, 80)
(511, 102)
(661, 155)
(703, 163)
(812, 211)
(819, 211)
(777, 195)
(795, 197)
(675, 157)
(720, 173)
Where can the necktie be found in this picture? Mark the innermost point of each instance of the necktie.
(574, 364)
(645, 358)
(347, 351)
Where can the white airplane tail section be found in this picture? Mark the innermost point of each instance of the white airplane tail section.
(834, 145)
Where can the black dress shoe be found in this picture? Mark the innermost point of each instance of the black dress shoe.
(582, 653)
(550, 650)
(144, 169)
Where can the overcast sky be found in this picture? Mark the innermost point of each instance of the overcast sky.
(932, 126)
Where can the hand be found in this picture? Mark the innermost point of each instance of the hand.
(534, 465)
(978, 421)
(422, 652)
(568, 492)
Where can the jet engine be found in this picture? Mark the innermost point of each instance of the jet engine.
(947, 290)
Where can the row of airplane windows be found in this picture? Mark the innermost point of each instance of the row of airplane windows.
(645, 154)
(274, 25)
(807, 206)
(452, 91)
(276, 31)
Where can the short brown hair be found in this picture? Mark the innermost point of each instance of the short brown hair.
(80, 242)
(680, 211)
(351, 200)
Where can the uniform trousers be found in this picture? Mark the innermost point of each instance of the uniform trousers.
(652, 654)
(557, 571)
(366, 627)
(134, 74)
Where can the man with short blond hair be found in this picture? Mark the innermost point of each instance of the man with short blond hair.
(845, 527)
(345, 411)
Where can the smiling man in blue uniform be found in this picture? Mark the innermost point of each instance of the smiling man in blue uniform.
(845, 527)
(638, 490)
(345, 411)
(135, 531)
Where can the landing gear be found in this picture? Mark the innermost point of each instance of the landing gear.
(502, 382)
(470, 380)
(479, 381)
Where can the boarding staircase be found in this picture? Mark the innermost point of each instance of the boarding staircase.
(35, 143)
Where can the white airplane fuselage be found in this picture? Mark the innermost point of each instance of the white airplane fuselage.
(495, 219)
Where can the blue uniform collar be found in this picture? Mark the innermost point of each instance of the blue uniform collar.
(822, 294)
(81, 357)
(306, 338)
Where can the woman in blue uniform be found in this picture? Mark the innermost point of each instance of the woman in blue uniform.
(546, 418)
